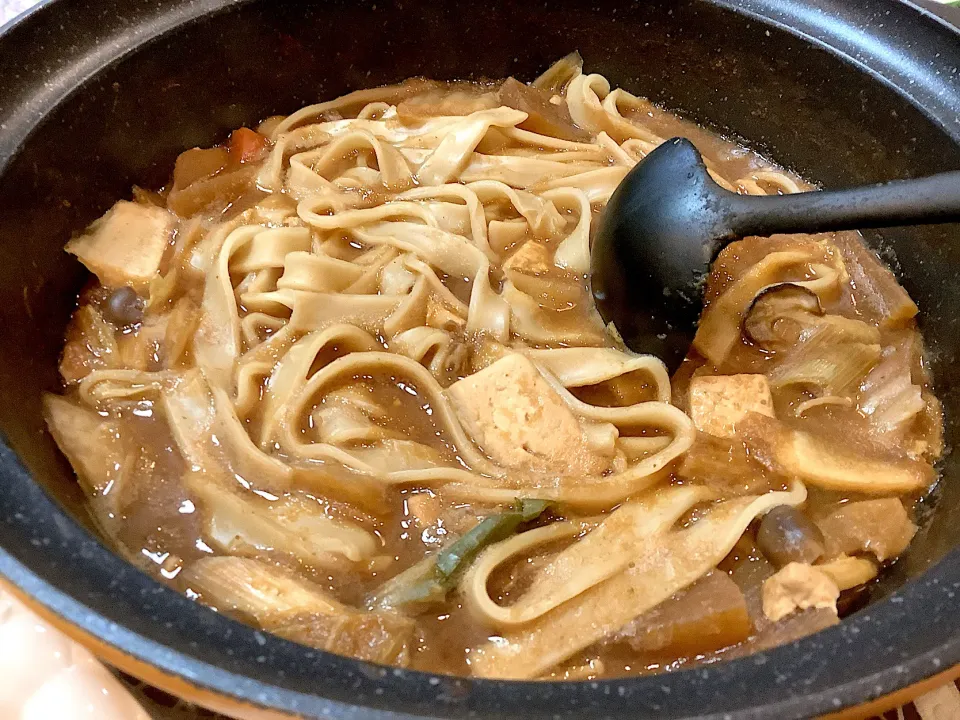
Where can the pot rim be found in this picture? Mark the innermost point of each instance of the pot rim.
(151, 623)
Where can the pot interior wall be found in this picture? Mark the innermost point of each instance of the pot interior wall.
(803, 106)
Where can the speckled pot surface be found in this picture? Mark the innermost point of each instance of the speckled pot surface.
(97, 95)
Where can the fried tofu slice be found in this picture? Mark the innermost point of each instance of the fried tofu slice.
(519, 421)
(718, 403)
(126, 245)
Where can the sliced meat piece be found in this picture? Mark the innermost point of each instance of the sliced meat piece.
(881, 527)
(126, 245)
(719, 402)
(517, 419)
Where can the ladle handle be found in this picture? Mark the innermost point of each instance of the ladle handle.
(933, 199)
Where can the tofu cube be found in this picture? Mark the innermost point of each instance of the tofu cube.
(126, 245)
(519, 421)
(719, 402)
(798, 587)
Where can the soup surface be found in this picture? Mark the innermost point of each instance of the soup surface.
(343, 379)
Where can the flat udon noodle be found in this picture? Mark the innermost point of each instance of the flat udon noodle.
(600, 554)
(574, 250)
(530, 141)
(410, 286)
(617, 152)
(209, 434)
(669, 561)
(258, 362)
(593, 106)
(393, 172)
(489, 313)
(440, 147)
(429, 346)
(471, 203)
(533, 324)
(255, 326)
(240, 522)
(781, 183)
(103, 386)
(385, 313)
(358, 99)
(292, 372)
(459, 142)
(217, 343)
(438, 290)
(451, 253)
(483, 480)
(317, 212)
(311, 272)
(528, 172)
(541, 215)
(581, 367)
(285, 150)
(320, 292)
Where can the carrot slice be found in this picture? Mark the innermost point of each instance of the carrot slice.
(247, 145)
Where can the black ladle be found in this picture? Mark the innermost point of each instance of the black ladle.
(668, 219)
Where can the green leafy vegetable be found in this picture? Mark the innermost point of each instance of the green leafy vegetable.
(431, 579)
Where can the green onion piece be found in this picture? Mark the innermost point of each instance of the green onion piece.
(491, 530)
(429, 580)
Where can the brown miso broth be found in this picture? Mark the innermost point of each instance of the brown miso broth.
(343, 379)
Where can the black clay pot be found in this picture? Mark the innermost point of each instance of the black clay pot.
(96, 95)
